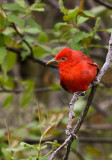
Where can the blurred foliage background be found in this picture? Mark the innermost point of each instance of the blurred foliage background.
(32, 102)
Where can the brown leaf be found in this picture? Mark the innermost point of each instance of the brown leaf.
(49, 130)
(15, 143)
(81, 4)
(8, 131)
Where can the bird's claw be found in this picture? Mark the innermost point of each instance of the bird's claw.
(83, 93)
(68, 131)
(74, 135)
(73, 115)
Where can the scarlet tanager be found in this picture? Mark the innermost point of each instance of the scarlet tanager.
(77, 71)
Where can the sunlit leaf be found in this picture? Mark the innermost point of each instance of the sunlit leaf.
(21, 2)
(44, 147)
(14, 7)
(59, 25)
(71, 15)
(82, 19)
(31, 30)
(15, 19)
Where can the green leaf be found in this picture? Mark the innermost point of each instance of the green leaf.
(44, 147)
(8, 101)
(76, 46)
(38, 51)
(14, 7)
(7, 154)
(1, 18)
(71, 15)
(26, 100)
(86, 14)
(62, 8)
(82, 19)
(28, 95)
(15, 19)
(56, 87)
(59, 25)
(74, 144)
(33, 23)
(37, 6)
(43, 37)
(75, 43)
(27, 146)
(79, 36)
(31, 30)
(21, 2)
(9, 83)
(38, 9)
(10, 60)
(3, 53)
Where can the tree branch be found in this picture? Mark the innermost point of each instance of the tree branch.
(30, 57)
(96, 82)
(104, 3)
(18, 91)
(22, 37)
(80, 139)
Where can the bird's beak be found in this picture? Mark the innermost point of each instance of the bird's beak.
(53, 61)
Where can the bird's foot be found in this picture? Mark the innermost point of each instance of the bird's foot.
(83, 93)
(73, 115)
(68, 131)
(74, 135)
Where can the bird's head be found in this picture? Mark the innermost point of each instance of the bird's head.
(62, 58)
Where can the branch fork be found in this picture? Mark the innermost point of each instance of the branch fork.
(76, 128)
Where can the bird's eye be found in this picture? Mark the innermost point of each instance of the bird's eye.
(64, 58)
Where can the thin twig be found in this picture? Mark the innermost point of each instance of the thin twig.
(22, 37)
(18, 91)
(80, 139)
(30, 57)
(80, 120)
(71, 112)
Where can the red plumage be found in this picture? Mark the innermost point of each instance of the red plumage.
(77, 70)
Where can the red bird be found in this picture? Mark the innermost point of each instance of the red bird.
(77, 71)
